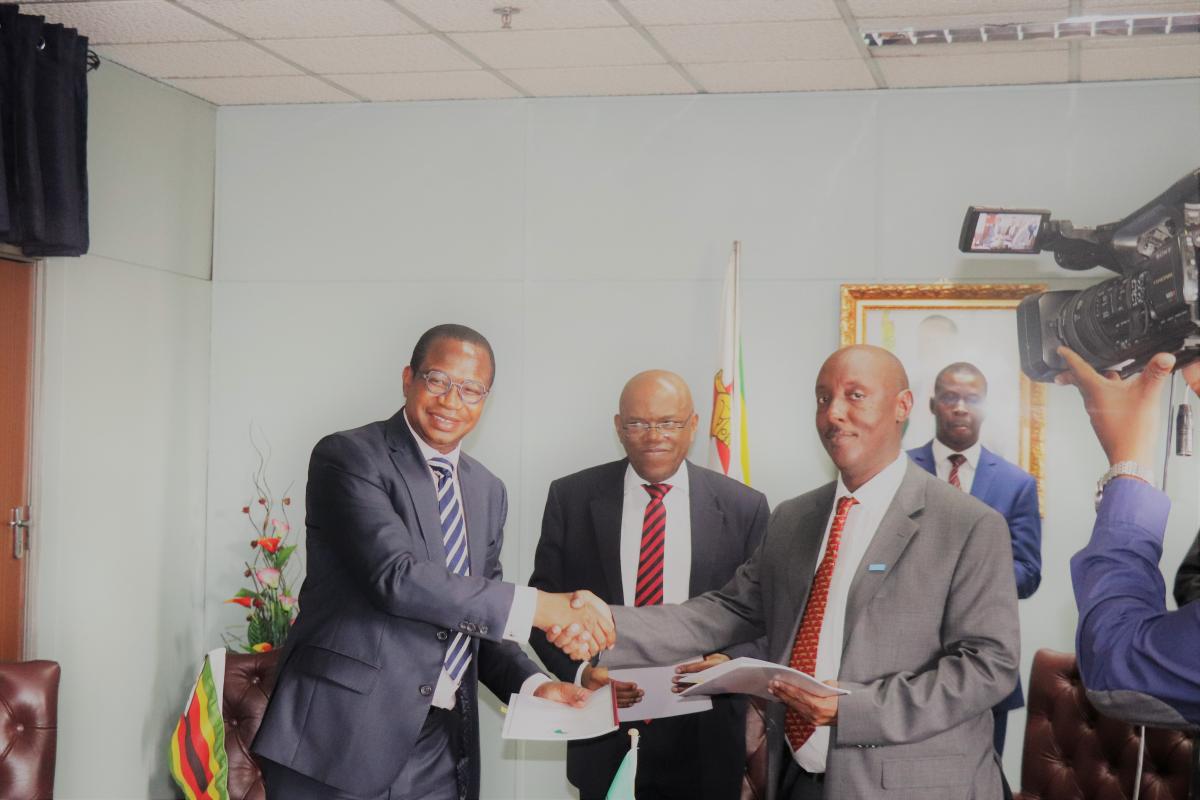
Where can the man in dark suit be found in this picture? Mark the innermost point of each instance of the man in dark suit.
(959, 405)
(701, 529)
(403, 609)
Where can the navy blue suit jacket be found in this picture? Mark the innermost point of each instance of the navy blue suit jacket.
(378, 609)
(1013, 492)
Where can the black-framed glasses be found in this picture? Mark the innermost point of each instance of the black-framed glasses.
(667, 427)
(439, 383)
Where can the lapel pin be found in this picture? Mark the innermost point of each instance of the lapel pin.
(876, 567)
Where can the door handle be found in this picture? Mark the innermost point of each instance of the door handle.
(19, 522)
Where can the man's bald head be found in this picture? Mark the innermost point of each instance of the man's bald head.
(863, 402)
(663, 400)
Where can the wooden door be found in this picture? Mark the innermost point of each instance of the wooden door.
(16, 358)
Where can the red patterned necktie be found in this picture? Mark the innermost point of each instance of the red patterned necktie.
(956, 461)
(654, 547)
(808, 635)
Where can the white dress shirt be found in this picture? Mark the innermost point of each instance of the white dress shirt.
(862, 522)
(966, 470)
(677, 557)
(520, 615)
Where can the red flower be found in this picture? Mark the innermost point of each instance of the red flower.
(258, 603)
(262, 501)
(262, 647)
(245, 509)
(270, 543)
(241, 601)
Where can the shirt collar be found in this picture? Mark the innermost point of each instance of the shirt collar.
(427, 452)
(678, 481)
(880, 490)
(972, 453)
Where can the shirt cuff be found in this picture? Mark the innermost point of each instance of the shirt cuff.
(1129, 502)
(579, 673)
(520, 615)
(533, 682)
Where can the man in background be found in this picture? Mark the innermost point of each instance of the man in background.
(959, 407)
(648, 529)
(404, 609)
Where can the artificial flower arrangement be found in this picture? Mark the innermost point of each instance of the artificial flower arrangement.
(269, 601)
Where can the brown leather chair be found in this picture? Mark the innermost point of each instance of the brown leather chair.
(28, 729)
(1073, 753)
(249, 680)
(754, 779)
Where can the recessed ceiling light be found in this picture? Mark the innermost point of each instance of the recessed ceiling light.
(1109, 27)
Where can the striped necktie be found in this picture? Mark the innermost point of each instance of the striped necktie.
(454, 538)
(956, 460)
(649, 590)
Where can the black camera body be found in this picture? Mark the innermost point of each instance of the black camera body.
(1152, 306)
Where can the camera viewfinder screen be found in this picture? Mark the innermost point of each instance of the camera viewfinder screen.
(1006, 232)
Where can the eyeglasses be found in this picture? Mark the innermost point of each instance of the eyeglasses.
(666, 427)
(950, 399)
(439, 383)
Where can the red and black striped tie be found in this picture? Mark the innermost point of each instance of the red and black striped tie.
(654, 546)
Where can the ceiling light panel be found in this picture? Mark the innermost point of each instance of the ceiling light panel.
(707, 12)
(760, 41)
(972, 70)
(364, 54)
(459, 85)
(256, 91)
(599, 81)
(291, 19)
(129, 22)
(593, 47)
(783, 76)
(196, 59)
(460, 16)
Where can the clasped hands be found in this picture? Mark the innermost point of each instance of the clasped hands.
(578, 623)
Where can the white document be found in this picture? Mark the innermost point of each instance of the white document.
(752, 676)
(538, 719)
(658, 700)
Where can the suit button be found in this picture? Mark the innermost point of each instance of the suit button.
(483, 629)
(443, 635)
(465, 627)
(426, 690)
(472, 628)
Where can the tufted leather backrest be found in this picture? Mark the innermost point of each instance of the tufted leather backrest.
(28, 729)
(249, 680)
(1073, 753)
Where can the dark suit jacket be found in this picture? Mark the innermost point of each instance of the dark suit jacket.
(378, 609)
(580, 548)
(1013, 492)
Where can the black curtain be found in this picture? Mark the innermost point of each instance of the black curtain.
(43, 135)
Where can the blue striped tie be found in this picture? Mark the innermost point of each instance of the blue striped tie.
(454, 538)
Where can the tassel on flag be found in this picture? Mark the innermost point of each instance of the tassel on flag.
(729, 450)
(623, 782)
(198, 761)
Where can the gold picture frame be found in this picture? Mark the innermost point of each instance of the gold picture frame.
(890, 315)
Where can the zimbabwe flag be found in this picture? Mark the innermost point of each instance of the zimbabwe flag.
(197, 752)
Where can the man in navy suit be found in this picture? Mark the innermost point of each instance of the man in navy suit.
(955, 455)
(404, 609)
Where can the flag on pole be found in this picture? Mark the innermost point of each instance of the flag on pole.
(623, 781)
(729, 450)
(197, 752)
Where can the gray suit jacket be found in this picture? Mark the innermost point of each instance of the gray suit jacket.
(379, 608)
(931, 642)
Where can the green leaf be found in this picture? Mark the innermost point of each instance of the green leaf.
(283, 554)
(246, 593)
(257, 632)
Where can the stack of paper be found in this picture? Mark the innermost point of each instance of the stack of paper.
(753, 676)
(532, 717)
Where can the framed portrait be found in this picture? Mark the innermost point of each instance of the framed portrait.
(929, 326)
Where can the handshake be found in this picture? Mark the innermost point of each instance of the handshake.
(578, 623)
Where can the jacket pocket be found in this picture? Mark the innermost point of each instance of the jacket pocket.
(925, 773)
(319, 662)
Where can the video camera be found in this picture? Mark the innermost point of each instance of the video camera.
(1119, 324)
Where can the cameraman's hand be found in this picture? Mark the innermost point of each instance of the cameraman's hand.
(1125, 413)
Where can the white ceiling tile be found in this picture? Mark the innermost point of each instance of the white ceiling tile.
(592, 81)
(459, 85)
(110, 22)
(702, 12)
(863, 9)
(478, 15)
(293, 19)
(1139, 6)
(361, 54)
(1139, 63)
(976, 70)
(939, 50)
(783, 76)
(258, 91)
(758, 41)
(593, 47)
(1049, 13)
(196, 59)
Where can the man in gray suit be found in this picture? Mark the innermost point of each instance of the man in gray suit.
(894, 583)
(404, 609)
